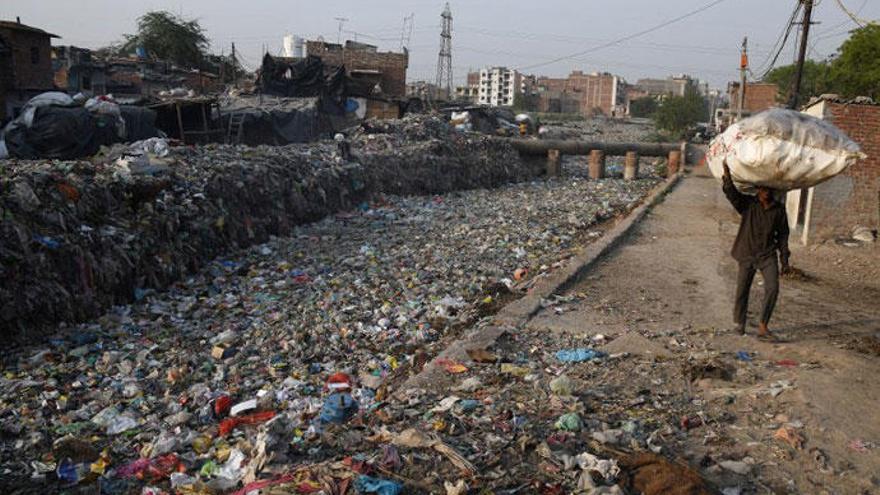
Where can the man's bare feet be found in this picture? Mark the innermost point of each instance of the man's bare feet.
(764, 332)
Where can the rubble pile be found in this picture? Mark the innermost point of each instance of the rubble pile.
(278, 367)
(77, 237)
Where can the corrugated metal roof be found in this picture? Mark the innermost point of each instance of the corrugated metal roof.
(833, 98)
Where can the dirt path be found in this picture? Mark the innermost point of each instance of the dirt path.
(667, 291)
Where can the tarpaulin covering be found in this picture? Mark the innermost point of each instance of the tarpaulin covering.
(140, 122)
(305, 77)
(60, 132)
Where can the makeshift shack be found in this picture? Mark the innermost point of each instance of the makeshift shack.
(190, 119)
(274, 120)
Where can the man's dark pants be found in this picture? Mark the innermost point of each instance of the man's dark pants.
(747, 269)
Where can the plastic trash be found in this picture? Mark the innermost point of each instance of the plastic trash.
(569, 422)
(338, 408)
(230, 424)
(744, 356)
(561, 385)
(578, 355)
(369, 484)
(781, 149)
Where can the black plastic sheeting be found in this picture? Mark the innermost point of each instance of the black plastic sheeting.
(280, 127)
(306, 77)
(60, 133)
(66, 133)
(140, 122)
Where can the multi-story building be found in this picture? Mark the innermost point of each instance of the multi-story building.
(499, 86)
(599, 93)
(469, 93)
(671, 86)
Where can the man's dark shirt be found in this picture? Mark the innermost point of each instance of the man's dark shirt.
(761, 231)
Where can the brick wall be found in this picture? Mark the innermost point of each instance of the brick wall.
(853, 197)
(392, 65)
(591, 91)
(31, 58)
(759, 96)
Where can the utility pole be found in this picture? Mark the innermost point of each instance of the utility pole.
(234, 65)
(802, 53)
(743, 68)
(342, 21)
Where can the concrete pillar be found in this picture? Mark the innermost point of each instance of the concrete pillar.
(673, 163)
(631, 166)
(684, 154)
(597, 164)
(554, 166)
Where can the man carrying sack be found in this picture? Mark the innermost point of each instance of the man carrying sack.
(763, 230)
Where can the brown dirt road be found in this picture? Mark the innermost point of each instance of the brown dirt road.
(668, 288)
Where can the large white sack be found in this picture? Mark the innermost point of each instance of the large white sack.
(781, 149)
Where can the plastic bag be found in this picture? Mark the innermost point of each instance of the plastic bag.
(781, 149)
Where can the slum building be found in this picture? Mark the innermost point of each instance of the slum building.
(25, 65)
(850, 200)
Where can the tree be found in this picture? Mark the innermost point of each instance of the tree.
(169, 37)
(855, 71)
(813, 82)
(643, 107)
(677, 113)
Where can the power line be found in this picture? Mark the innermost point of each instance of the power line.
(626, 38)
(780, 43)
(579, 40)
(860, 22)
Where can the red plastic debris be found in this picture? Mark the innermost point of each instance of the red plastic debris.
(229, 424)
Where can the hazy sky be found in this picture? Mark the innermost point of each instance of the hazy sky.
(515, 33)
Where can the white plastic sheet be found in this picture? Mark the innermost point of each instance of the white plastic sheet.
(781, 149)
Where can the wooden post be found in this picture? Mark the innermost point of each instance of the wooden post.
(673, 163)
(180, 122)
(553, 163)
(597, 164)
(631, 166)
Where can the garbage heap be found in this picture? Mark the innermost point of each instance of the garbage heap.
(77, 237)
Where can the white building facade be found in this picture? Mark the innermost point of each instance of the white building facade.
(498, 86)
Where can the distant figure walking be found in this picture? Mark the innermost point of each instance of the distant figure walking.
(763, 230)
(343, 146)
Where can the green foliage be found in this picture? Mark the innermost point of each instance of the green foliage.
(813, 82)
(643, 107)
(677, 113)
(853, 71)
(856, 69)
(169, 37)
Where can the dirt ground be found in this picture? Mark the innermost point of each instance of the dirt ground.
(665, 298)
